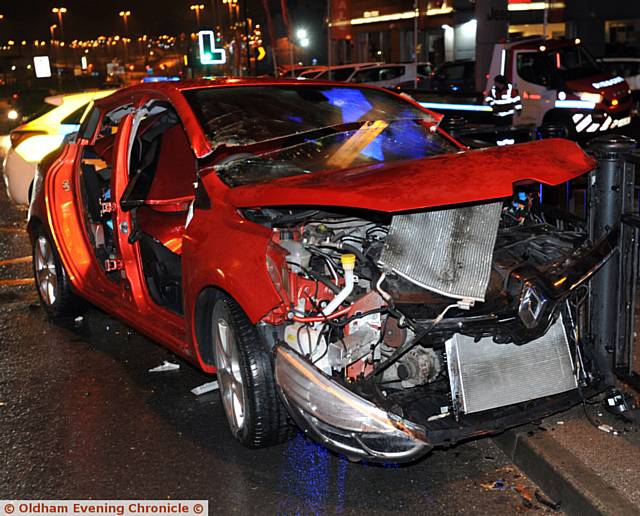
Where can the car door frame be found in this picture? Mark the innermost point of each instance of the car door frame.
(172, 322)
(96, 285)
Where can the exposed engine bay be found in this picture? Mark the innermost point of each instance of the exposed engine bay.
(436, 314)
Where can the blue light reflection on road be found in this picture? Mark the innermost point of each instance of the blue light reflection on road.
(313, 479)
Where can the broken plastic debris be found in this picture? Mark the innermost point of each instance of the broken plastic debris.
(438, 416)
(559, 422)
(498, 485)
(78, 319)
(166, 366)
(609, 429)
(205, 387)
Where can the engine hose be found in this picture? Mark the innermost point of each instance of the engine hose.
(352, 249)
(321, 318)
(326, 282)
(346, 247)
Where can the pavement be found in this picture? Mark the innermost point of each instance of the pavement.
(81, 417)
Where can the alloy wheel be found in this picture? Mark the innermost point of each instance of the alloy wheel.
(45, 268)
(228, 363)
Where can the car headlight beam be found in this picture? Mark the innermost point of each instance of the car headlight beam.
(596, 98)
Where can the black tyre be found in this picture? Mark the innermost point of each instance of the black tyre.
(255, 414)
(52, 281)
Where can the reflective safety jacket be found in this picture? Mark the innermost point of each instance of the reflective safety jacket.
(504, 102)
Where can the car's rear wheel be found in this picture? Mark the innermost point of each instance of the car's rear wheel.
(52, 281)
(254, 412)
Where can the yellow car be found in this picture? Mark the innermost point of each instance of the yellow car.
(33, 140)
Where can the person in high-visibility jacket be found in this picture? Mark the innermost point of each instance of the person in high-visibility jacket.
(504, 100)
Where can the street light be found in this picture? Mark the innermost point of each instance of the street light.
(303, 37)
(59, 11)
(197, 8)
(233, 6)
(125, 18)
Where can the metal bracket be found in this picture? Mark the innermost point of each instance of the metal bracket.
(113, 265)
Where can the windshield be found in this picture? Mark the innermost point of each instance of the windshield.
(244, 115)
(574, 63)
(294, 130)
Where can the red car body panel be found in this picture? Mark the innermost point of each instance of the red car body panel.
(425, 183)
(222, 249)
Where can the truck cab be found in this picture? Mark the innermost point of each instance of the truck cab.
(561, 84)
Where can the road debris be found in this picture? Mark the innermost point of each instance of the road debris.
(609, 429)
(498, 485)
(527, 497)
(166, 366)
(205, 387)
(546, 501)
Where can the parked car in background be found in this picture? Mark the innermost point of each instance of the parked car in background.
(280, 234)
(312, 73)
(18, 107)
(453, 77)
(340, 73)
(385, 75)
(627, 68)
(32, 141)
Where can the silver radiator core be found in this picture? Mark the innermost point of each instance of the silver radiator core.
(446, 251)
(485, 375)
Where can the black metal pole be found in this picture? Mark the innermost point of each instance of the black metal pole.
(247, 36)
(606, 205)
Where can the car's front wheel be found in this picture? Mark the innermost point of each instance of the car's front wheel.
(254, 412)
(52, 281)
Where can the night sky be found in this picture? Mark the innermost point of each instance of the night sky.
(85, 19)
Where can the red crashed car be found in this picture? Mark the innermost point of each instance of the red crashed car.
(335, 257)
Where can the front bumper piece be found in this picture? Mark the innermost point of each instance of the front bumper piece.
(340, 419)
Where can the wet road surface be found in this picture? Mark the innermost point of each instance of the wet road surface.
(81, 417)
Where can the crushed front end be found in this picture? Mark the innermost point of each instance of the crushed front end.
(403, 332)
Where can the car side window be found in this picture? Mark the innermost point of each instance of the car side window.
(90, 123)
(362, 76)
(342, 74)
(162, 165)
(424, 70)
(76, 117)
(390, 72)
(534, 67)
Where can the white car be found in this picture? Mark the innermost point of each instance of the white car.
(339, 73)
(385, 75)
(32, 141)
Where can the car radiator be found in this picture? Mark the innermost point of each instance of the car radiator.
(446, 251)
(485, 375)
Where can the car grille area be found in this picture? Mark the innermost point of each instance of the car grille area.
(446, 251)
(484, 375)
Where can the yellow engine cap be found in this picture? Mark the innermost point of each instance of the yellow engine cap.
(348, 260)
